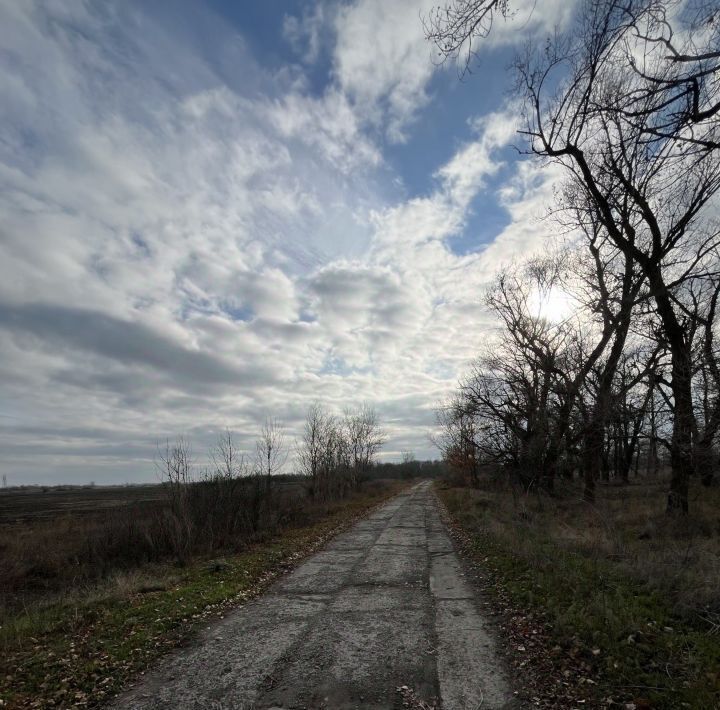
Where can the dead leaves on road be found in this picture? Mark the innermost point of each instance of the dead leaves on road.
(410, 700)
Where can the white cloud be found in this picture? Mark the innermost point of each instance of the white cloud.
(423, 220)
(304, 32)
(328, 124)
(382, 61)
(527, 198)
(179, 254)
(384, 64)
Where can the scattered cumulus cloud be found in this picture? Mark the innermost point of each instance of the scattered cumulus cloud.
(382, 61)
(185, 248)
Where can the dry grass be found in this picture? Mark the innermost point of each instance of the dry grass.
(628, 528)
(48, 559)
(634, 588)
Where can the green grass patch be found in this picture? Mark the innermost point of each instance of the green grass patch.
(79, 654)
(629, 638)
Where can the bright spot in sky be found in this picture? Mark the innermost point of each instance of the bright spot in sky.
(553, 304)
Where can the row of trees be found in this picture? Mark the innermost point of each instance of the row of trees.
(237, 494)
(225, 502)
(627, 103)
(336, 453)
(541, 404)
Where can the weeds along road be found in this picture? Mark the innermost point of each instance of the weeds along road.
(384, 605)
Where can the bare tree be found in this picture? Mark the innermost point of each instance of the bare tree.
(317, 451)
(701, 305)
(364, 438)
(459, 439)
(407, 457)
(535, 374)
(220, 497)
(270, 453)
(627, 101)
(174, 464)
(227, 460)
(456, 26)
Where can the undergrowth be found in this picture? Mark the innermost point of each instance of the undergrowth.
(635, 637)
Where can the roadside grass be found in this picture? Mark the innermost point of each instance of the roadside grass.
(79, 651)
(628, 598)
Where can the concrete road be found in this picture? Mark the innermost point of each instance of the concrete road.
(382, 606)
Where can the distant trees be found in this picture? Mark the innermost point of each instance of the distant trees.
(336, 453)
(322, 453)
(363, 437)
(314, 449)
(459, 441)
(228, 461)
(174, 464)
(627, 101)
(270, 452)
(235, 495)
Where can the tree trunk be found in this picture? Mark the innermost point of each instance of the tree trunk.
(652, 456)
(595, 432)
(592, 456)
(705, 462)
(681, 458)
(605, 463)
(637, 461)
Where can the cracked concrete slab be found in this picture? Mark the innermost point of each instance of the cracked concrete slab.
(385, 604)
(404, 536)
(439, 543)
(447, 578)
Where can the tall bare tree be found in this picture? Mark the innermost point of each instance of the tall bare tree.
(228, 461)
(317, 453)
(627, 100)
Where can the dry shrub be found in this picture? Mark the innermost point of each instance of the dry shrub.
(217, 514)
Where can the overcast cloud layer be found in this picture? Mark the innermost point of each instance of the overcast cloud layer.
(196, 236)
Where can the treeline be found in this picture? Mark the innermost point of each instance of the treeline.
(408, 468)
(336, 453)
(532, 408)
(241, 495)
(626, 105)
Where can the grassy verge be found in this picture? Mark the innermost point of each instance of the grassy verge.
(620, 638)
(79, 652)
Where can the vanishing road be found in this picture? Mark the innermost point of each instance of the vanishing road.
(383, 605)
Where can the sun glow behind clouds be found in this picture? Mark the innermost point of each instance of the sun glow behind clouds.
(552, 304)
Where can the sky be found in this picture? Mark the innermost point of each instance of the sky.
(216, 212)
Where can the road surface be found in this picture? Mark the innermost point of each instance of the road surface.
(382, 606)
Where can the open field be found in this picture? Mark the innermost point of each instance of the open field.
(622, 592)
(32, 504)
(35, 503)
